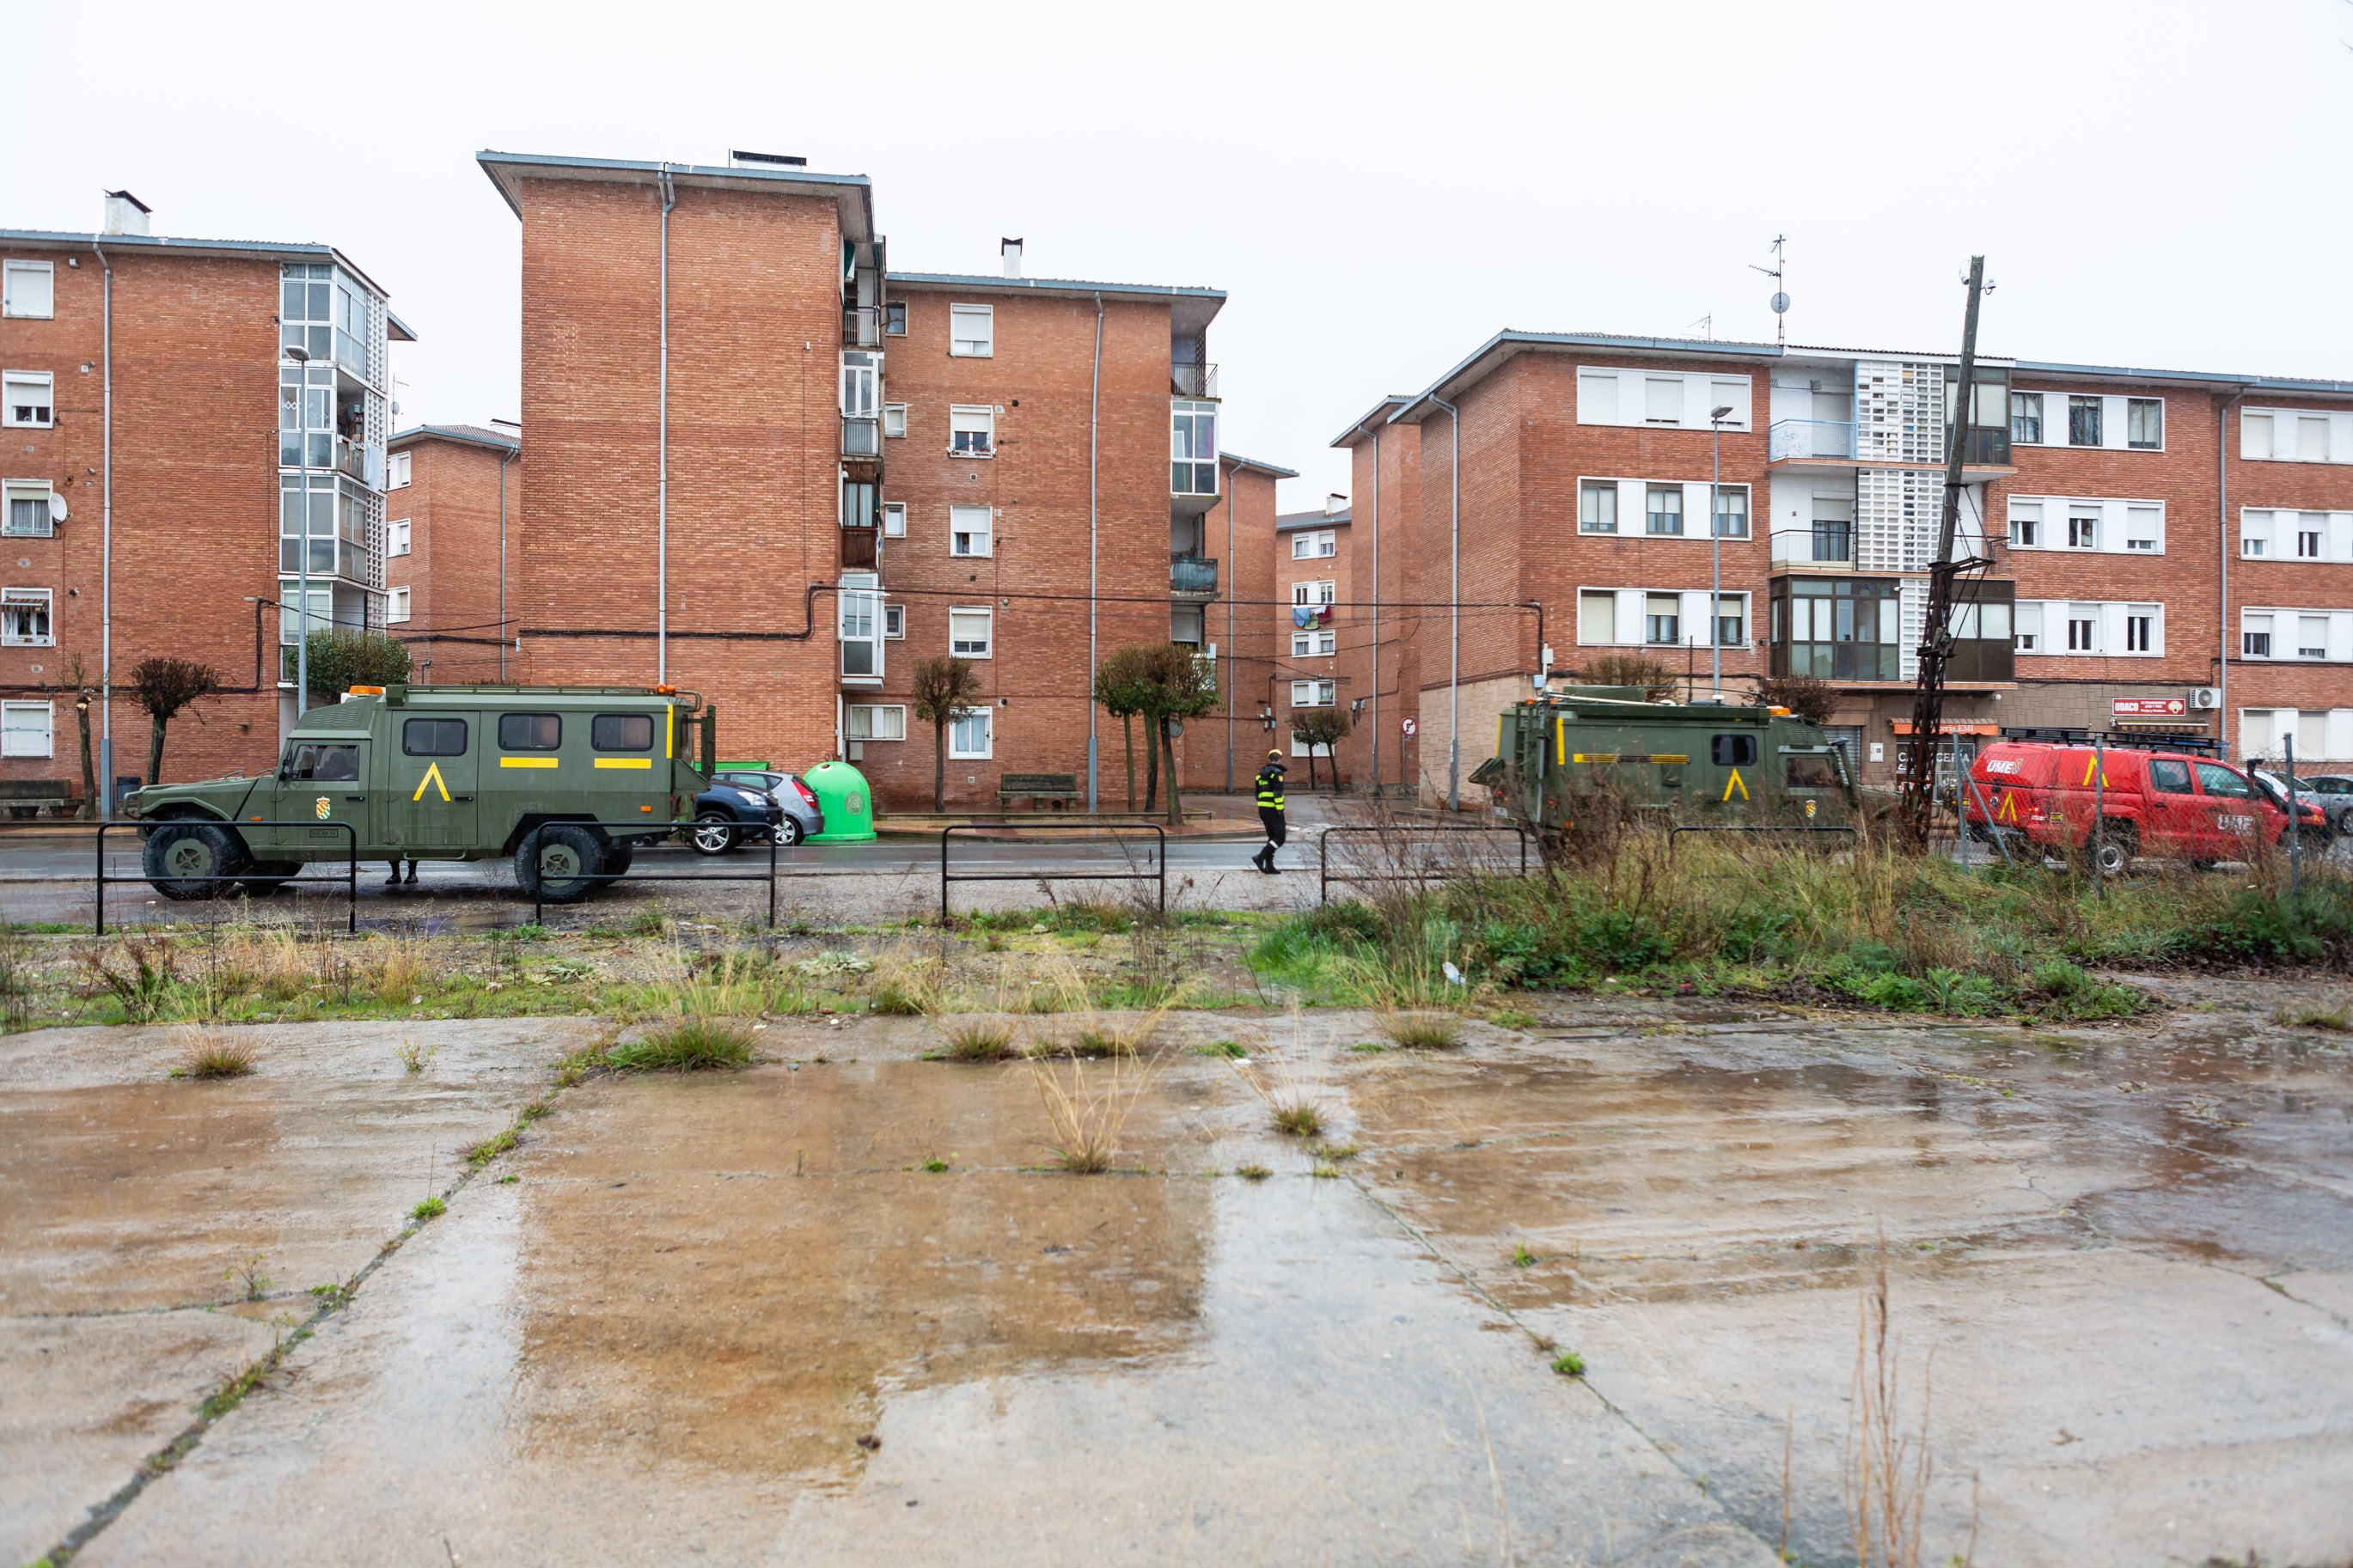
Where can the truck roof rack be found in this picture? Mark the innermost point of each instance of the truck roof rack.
(2118, 739)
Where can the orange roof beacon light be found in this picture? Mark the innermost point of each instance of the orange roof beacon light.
(364, 692)
(665, 690)
(1778, 712)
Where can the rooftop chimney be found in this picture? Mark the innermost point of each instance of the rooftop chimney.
(1335, 504)
(125, 213)
(1012, 249)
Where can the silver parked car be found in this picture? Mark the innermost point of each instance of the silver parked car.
(2333, 792)
(802, 817)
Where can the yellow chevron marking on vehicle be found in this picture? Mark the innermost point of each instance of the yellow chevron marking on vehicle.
(526, 762)
(625, 761)
(2091, 763)
(1734, 784)
(2008, 807)
(432, 776)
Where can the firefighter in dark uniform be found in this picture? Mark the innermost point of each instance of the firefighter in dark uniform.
(1270, 811)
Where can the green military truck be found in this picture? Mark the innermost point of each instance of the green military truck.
(1587, 757)
(445, 773)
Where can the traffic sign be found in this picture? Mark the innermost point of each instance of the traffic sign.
(1408, 725)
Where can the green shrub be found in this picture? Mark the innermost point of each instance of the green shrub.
(689, 1043)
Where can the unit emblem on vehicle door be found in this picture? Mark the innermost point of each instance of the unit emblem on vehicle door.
(322, 807)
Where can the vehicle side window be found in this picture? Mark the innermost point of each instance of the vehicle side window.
(2216, 779)
(432, 737)
(325, 763)
(1734, 751)
(1811, 773)
(2169, 777)
(621, 732)
(531, 732)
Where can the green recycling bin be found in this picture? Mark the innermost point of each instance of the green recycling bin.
(848, 804)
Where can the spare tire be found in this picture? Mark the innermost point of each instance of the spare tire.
(559, 863)
(182, 859)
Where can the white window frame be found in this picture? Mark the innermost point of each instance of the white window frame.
(2274, 436)
(1722, 493)
(396, 471)
(2317, 536)
(1313, 644)
(399, 537)
(12, 597)
(11, 302)
(972, 531)
(1315, 592)
(397, 606)
(862, 383)
(2020, 523)
(11, 746)
(2132, 446)
(2083, 530)
(39, 491)
(894, 422)
(895, 621)
(1316, 545)
(958, 750)
(966, 344)
(8, 405)
(1596, 489)
(961, 649)
(1648, 616)
(1621, 395)
(2090, 632)
(1585, 630)
(860, 595)
(895, 519)
(986, 415)
(852, 711)
(1315, 693)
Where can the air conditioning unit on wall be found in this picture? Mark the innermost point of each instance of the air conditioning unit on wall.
(2205, 697)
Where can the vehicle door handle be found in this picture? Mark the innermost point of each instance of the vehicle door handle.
(454, 798)
(355, 797)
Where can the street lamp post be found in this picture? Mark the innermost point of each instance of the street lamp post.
(302, 358)
(1716, 550)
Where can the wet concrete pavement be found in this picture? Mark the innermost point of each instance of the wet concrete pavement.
(735, 1318)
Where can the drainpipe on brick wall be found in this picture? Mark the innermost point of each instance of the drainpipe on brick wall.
(1454, 612)
(2223, 521)
(661, 503)
(503, 635)
(1376, 615)
(105, 807)
(1094, 424)
(1230, 585)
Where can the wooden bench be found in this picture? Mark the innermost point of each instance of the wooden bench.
(1056, 787)
(32, 797)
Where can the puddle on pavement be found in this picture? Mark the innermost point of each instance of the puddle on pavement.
(741, 1271)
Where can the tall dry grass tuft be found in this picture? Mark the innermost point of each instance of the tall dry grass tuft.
(207, 1053)
(1087, 1114)
(395, 968)
(1887, 1462)
(1088, 1030)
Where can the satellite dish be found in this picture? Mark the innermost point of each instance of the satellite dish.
(1781, 304)
(56, 507)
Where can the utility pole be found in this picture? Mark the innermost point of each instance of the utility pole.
(1936, 636)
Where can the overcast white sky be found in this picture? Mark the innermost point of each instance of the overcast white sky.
(1376, 190)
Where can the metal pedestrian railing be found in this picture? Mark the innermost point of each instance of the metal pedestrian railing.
(1796, 827)
(1324, 879)
(531, 841)
(102, 878)
(1112, 830)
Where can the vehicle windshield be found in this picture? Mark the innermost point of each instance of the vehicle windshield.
(1813, 773)
(322, 764)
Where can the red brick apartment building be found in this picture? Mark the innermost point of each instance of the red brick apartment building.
(1222, 751)
(1314, 612)
(2172, 551)
(167, 407)
(1380, 644)
(452, 496)
(767, 468)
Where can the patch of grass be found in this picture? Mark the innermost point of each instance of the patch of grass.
(1335, 1152)
(1568, 1363)
(431, 1208)
(1522, 1257)
(414, 1058)
(490, 1149)
(1296, 1115)
(509, 1180)
(1231, 1049)
(252, 1283)
(649, 920)
(1252, 1173)
(934, 1165)
(1087, 1116)
(694, 1043)
(139, 972)
(1368, 1047)
(1511, 1018)
(209, 1053)
(2314, 1015)
(1423, 1031)
(1324, 1169)
(978, 1039)
(904, 988)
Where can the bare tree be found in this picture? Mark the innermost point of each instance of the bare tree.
(1802, 695)
(946, 690)
(165, 686)
(1324, 728)
(1657, 681)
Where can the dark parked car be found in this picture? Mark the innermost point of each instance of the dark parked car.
(726, 815)
(802, 817)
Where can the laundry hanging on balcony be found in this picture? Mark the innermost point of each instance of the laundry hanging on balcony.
(1305, 616)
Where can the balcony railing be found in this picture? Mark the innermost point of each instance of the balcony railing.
(861, 326)
(1824, 543)
(1192, 574)
(1193, 380)
(1801, 439)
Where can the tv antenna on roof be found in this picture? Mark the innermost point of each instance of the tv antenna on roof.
(1780, 301)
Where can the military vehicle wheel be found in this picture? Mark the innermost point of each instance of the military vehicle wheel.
(274, 875)
(565, 868)
(617, 856)
(714, 833)
(180, 856)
